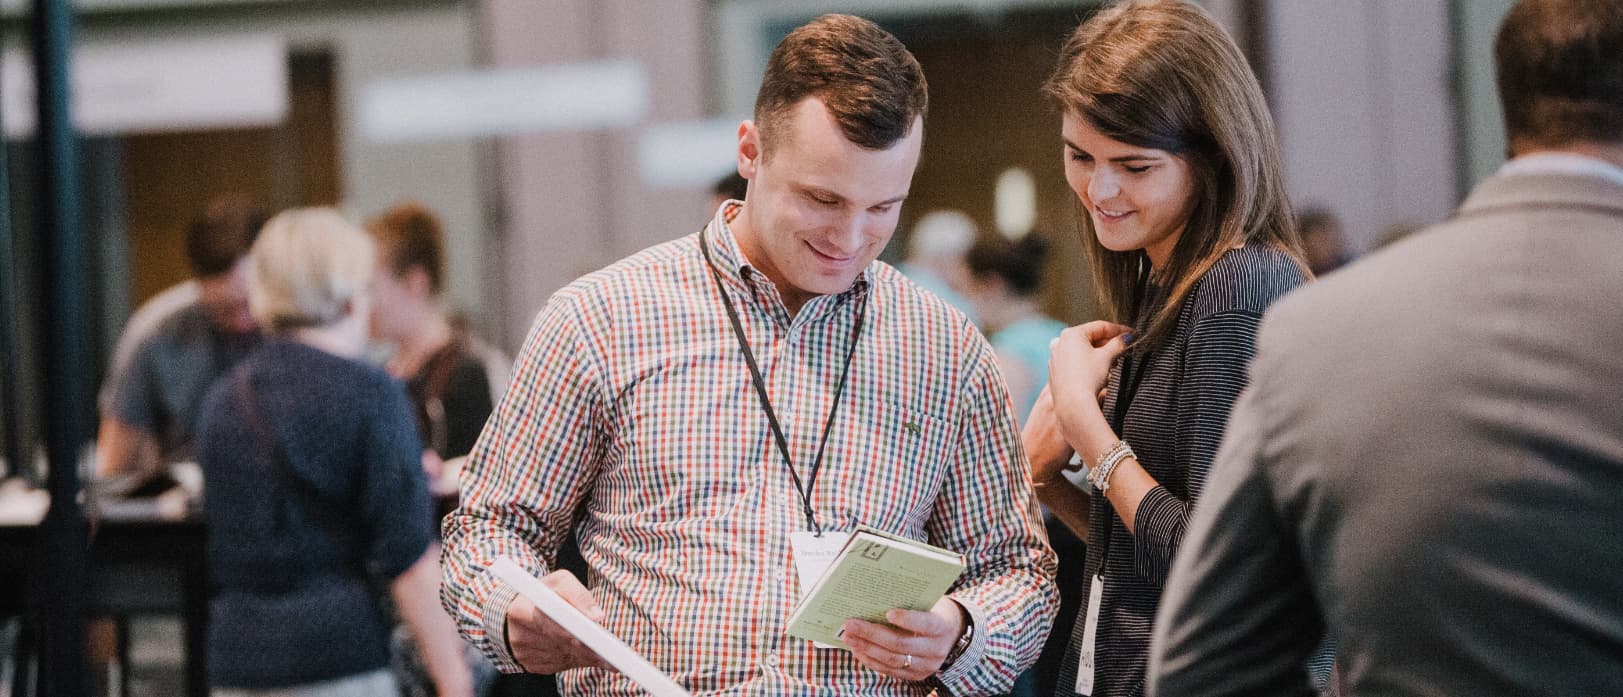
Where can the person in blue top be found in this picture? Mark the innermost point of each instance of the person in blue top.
(1004, 281)
(317, 502)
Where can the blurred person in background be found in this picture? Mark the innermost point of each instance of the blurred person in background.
(729, 188)
(1170, 149)
(153, 312)
(446, 378)
(1005, 279)
(1429, 462)
(171, 353)
(1323, 239)
(451, 393)
(935, 256)
(317, 499)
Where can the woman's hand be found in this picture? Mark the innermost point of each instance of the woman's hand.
(1079, 364)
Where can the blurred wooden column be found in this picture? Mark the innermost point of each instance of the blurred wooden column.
(1363, 94)
(571, 203)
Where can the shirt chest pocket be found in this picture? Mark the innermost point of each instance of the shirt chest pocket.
(888, 473)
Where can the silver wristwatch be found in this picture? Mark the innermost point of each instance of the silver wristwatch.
(962, 645)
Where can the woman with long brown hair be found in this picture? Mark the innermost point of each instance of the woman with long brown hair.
(1171, 152)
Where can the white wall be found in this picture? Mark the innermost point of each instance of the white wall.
(1361, 93)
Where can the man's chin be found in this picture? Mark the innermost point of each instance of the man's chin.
(829, 285)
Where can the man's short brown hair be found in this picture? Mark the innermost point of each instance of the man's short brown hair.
(1560, 71)
(869, 81)
(223, 234)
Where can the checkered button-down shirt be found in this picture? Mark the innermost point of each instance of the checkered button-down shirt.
(632, 406)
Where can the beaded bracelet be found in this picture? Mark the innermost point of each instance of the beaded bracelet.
(1099, 477)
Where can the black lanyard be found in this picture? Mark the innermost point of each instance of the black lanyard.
(1127, 388)
(1127, 384)
(766, 401)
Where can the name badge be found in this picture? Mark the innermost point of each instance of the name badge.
(1090, 630)
(812, 555)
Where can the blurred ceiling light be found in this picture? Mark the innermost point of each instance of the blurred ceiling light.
(19, 8)
(1015, 202)
(572, 97)
(163, 85)
(688, 153)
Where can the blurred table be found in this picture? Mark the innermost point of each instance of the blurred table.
(142, 563)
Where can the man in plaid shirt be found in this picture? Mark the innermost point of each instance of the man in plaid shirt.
(702, 411)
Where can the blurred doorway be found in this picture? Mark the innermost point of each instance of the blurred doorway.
(170, 177)
(988, 116)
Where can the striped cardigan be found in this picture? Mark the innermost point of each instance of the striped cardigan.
(1175, 423)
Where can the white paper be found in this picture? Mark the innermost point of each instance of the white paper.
(590, 633)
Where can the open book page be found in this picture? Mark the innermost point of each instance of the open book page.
(874, 574)
(590, 633)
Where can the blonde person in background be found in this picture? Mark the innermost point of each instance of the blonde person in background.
(1171, 152)
(935, 256)
(317, 499)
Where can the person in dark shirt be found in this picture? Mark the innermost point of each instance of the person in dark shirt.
(450, 389)
(445, 373)
(316, 498)
(1170, 151)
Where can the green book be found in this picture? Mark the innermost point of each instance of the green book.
(874, 573)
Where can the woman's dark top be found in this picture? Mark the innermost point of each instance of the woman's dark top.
(302, 544)
(1174, 422)
(451, 397)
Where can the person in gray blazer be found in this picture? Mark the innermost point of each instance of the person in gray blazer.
(1429, 460)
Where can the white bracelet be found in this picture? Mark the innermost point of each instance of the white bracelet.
(1099, 463)
(1100, 476)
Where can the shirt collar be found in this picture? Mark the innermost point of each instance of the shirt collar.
(724, 252)
(729, 259)
(1567, 163)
